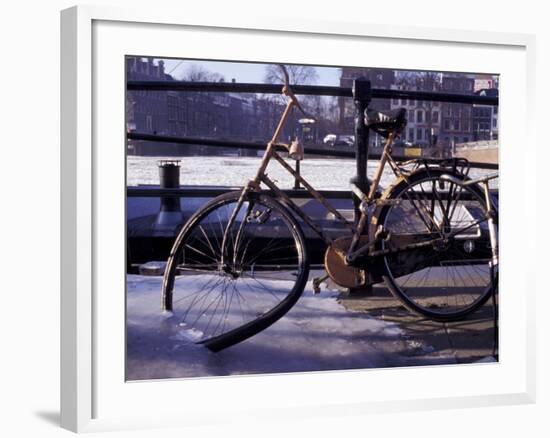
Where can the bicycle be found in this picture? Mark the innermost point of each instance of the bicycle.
(240, 262)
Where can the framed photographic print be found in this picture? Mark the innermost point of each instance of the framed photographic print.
(253, 210)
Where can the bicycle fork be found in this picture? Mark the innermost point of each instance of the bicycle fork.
(230, 223)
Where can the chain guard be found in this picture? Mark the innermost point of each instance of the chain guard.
(335, 265)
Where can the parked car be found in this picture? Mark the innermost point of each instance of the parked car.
(329, 139)
(337, 140)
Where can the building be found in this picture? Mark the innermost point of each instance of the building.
(423, 118)
(227, 116)
(485, 82)
(379, 78)
(456, 118)
(146, 111)
(485, 117)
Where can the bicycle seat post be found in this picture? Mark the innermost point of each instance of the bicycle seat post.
(361, 98)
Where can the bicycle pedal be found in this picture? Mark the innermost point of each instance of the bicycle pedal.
(316, 288)
(316, 283)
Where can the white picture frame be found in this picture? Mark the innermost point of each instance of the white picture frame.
(93, 396)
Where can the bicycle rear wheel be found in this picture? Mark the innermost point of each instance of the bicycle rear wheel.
(447, 272)
(223, 293)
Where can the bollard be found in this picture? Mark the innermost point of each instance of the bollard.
(305, 127)
(170, 214)
(296, 180)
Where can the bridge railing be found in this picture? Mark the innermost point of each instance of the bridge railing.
(361, 92)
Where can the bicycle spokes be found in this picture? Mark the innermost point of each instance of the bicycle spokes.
(441, 260)
(237, 265)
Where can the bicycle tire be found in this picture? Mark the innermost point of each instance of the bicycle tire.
(420, 297)
(288, 228)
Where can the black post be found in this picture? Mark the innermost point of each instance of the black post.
(361, 98)
(170, 214)
(296, 181)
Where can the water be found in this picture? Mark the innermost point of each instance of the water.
(321, 173)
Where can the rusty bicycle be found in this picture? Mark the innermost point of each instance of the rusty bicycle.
(241, 261)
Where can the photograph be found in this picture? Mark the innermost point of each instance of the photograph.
(291, 218)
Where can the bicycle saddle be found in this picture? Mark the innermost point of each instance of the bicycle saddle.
(386, 122)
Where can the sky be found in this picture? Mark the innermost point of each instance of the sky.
(243, 72)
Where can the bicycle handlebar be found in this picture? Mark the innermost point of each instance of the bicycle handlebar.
(287, 91)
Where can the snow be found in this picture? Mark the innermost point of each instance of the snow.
(206, 170)
(317, 334)
(321, 173)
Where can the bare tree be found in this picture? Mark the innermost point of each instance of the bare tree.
(419, 80)
(197, 73)
(298, 74)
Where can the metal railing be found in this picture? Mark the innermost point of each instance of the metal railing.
(309, 90)
(361, 92)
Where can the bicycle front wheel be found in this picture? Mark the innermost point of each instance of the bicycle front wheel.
(438, 257)
(224, 290)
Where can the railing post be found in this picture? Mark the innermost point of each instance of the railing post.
(361, 98)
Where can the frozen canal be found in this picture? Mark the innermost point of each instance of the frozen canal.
(317, 334)
(321, 173)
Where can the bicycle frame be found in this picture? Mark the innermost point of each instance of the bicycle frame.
(366, 200)
(367, 206)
